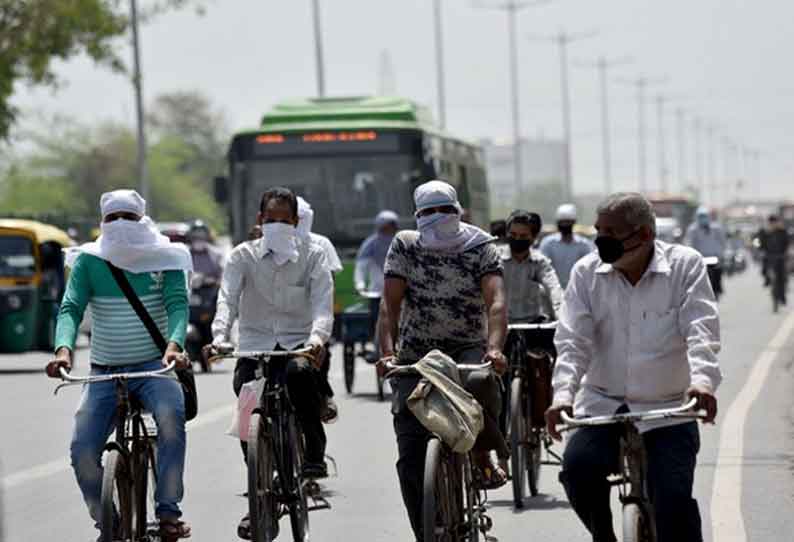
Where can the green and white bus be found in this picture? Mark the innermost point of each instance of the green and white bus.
(350, 158)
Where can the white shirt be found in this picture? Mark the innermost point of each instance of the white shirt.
(332, 260)
(288, 305)
(641, 345)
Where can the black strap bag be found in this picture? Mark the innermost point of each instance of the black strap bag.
(185, 376)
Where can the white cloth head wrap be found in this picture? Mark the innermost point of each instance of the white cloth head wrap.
(137, 247)
(439, 194)
(117, 201)
(305, 218)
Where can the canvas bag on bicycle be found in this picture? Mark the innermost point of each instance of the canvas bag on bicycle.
(185, 376)
(441, 404)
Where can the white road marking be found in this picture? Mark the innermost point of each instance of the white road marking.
(726, 495)
(46, 470)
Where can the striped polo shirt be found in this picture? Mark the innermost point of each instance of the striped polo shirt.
(118, 337)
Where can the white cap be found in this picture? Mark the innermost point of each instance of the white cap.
(702, 211)
(386, 217)
(436, 194)
(566, 211)
(122, 201)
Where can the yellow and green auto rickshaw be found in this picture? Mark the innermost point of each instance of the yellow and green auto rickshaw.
(32, 283)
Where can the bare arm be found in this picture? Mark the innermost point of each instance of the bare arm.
(389, 316)
(493, 292)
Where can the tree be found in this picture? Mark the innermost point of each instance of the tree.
(33, 33)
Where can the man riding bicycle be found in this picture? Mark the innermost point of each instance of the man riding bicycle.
(280, 289)
(638, 330)
(774, 246)
(443, 290)
(120, 343)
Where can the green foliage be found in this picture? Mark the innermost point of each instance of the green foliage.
(71, 165)
(33, 33)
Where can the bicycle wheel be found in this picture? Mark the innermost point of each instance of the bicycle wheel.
(518, 441)
(262, 506)
(474, 509)
(293, 459)
(442, 506)
(350, 365)
(116, 499)
(637, 524)
(144, 484)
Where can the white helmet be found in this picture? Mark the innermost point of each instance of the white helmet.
(566, 211)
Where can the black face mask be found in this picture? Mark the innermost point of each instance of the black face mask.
(519, 246)
(565, 229)
(610, 249)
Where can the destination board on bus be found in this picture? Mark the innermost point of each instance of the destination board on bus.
(325, 142)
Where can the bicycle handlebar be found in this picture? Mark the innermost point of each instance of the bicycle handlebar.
(683, 411)
(226, 352)
(397, 370)
(69, 380)
(532, 327)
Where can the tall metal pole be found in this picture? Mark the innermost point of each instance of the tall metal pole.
(442, 107)
(606, 142)
(318, 49)
(663, 171)
(137, 81)
(641, 160)
(711, 160)
(698, 136)
(512, 9)
(565, 91)
(681, 131)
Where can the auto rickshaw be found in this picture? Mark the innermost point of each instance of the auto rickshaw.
(32, 283)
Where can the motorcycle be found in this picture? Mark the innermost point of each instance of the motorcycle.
(203, 300)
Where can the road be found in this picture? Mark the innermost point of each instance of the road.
(744, 483)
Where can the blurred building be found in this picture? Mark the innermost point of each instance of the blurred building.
(543, 165)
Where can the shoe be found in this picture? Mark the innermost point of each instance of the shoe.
(244, 528)
(330, 411)
(315, 471)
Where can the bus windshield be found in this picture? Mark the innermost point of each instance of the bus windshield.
(16, 257)
(346, 192)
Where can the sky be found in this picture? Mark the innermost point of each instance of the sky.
(721, 60)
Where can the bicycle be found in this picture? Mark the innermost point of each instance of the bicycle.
(531, 365)
(358, 323)
(638, 518)
(276, 486)
(452, 509)
(130, 473)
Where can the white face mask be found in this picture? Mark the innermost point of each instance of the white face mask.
(282, 240)
(440, 224)
(128, 232)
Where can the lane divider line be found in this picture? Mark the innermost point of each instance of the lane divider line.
(57, 466)
(726, 496)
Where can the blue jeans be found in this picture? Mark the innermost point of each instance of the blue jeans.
(95, 422)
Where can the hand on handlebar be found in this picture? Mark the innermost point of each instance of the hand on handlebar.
(705, 401)
(179, 359)
(554, 418)
(497, 360)
(316, 354)
(381, 366)
(63, 359)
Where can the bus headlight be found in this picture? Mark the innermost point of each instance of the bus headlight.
(14, 302)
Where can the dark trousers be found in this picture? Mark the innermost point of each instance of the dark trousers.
(592, 453)
(305, 396)
(412, 436)
(322, 375)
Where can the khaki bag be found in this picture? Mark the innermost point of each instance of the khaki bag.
(441, 404)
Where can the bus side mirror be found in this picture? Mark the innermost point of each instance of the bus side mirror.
(221, 189)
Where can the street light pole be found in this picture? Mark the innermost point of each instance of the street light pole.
(137, 81)
(641, 85)
(681, 130)
(663, 171)
(511, 8)
(318, 49)
(442, 107)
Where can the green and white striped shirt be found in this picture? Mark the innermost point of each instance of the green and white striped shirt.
(118, 337)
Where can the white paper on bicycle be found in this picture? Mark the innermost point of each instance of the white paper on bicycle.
(441, 404)
(246, 403)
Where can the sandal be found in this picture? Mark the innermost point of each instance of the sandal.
(488, 476)
(330, 411)
(172, 530)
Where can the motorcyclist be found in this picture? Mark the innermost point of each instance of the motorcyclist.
(207, 260)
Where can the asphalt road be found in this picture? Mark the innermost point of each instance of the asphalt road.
(744, 483)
